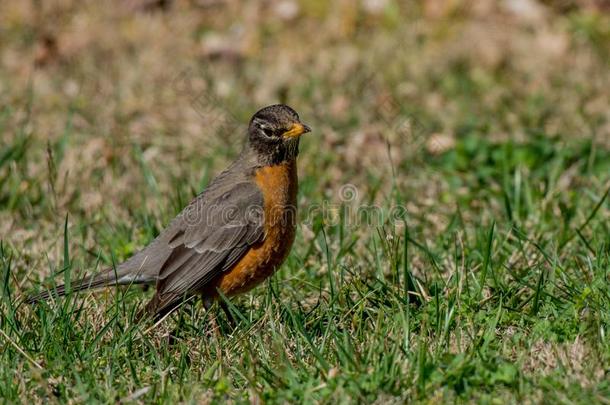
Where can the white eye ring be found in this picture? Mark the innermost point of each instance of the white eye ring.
(266, 130)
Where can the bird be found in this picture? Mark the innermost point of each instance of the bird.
(230, 237)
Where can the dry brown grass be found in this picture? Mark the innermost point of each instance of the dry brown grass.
(145, 102)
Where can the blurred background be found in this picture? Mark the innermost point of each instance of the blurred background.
(124, 109)
(487, 122)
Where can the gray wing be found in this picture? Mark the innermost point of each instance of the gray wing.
(210, 236)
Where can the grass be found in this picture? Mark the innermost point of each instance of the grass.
(480, 274)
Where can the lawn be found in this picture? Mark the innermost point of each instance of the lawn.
(454, 227)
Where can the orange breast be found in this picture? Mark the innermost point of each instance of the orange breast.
(279, 187)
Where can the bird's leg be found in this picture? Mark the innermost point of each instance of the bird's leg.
(227, 312)
(207, 305)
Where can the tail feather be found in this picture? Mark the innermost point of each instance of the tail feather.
(105, 279)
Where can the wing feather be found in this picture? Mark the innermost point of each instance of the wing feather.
(214, 233)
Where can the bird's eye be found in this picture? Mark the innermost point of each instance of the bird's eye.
(267, 131)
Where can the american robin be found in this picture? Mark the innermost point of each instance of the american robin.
(232, 236)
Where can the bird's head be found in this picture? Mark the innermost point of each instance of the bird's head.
(274, 133)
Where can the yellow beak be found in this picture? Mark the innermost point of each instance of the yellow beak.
(297, 129)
